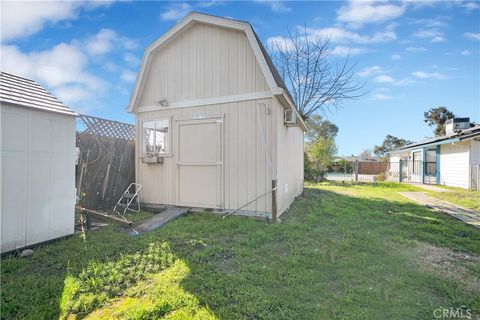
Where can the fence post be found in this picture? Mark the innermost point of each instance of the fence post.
(274, 201)
(356, 170)
(400, 169)
(478, 178)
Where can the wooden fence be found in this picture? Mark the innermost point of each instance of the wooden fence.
(105, 166)
(372, 167)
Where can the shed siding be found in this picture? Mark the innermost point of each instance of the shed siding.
(200, 62)
(247, 171)
(290, 161)
(455, 164)
(38, 176)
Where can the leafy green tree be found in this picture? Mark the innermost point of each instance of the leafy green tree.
(437, 117)
(390, 143)
(321, 154)
(317, 127)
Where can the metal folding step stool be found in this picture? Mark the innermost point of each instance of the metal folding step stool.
(130, 199)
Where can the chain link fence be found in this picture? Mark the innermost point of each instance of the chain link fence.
(371, 171)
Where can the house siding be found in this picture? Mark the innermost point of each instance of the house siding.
(455, 164)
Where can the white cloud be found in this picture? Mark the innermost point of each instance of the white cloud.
(176, 11)
(65, 68)
(470, 6)
(472, 35)
(24, 18)
(429, 75)
(342, 51)
(131, 59)
(416, 49)
(128, 76)
(21, 19)
(276, 6)
(431, 23)
(280, 43)
(369, 71)
(438, 39)
(335, 35)
(381, 97)
(62, 68)
(340, 35)
(466, 52)
(107, 40)
(384, 78)
(358, 13)
(433, 34)
(102, 42)
(211, 3)
(395, 57)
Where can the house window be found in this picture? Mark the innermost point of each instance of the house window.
(417, 162)
(156, 137)
(430, 162)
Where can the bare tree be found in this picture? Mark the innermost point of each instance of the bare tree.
(303, 61)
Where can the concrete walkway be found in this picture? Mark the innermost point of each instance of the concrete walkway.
(468, 216)
(430, 187)
(158, 220)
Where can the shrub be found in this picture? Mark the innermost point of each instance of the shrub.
(382, 176)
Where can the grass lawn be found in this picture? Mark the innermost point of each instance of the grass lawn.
(459, 196)
(343, 251)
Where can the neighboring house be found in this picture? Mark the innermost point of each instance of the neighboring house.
(215, 122)
(451, 159)
(37, 164)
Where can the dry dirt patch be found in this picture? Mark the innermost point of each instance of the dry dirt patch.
(460, 267)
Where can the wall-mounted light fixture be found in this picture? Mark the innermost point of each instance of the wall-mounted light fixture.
(163, 102)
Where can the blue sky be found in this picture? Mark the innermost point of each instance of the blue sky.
(411, 55)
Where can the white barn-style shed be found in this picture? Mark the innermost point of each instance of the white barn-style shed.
(215, 122)
(37, 164)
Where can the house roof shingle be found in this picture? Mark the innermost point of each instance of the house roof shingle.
(28, 93)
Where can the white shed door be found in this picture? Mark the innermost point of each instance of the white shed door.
(200, 163)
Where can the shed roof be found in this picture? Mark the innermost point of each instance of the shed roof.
(28, 93)
(460, 135)
(271, 74)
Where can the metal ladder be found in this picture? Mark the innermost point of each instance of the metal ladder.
(129, 197)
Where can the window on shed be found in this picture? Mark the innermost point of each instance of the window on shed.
(156, 137)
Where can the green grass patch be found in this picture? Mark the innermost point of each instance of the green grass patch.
(343, 251)
(459, 196)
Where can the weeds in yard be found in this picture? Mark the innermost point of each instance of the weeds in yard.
(343, 251)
